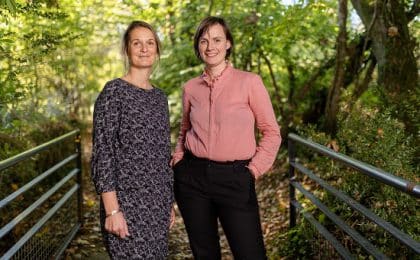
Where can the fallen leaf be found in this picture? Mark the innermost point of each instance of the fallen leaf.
(14, 186)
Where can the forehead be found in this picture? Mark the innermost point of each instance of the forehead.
(215, 30)
(141, 33)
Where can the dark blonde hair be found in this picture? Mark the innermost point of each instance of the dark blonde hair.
(126, 37)
(204, 26)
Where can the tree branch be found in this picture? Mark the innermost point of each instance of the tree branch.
(334, 94)
(171, 26)
(311, 81)
(361, 88)
(210, 8)
(292, 83)
(273, 80)
(414, 11)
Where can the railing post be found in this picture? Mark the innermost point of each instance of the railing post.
(292, 195)
(78, 142)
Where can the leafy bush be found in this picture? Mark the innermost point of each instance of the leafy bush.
(297, 242)
(380, 140)
(14, 177)
(377, 139)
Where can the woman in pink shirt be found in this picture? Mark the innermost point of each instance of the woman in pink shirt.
(217, 159)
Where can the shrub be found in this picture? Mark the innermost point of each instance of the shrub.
(377, 139)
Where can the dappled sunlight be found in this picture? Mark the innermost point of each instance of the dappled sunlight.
(341, 73)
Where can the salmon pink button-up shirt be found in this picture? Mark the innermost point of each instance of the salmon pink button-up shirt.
(219, 118)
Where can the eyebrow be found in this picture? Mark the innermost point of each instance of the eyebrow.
(137, 39)
(215, 37)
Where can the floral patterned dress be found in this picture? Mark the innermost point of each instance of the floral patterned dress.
(131, 154)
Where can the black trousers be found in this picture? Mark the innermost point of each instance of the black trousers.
(206, 191)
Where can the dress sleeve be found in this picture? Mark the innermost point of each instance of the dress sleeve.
(266, 122)
(185, 126)
(168, 127)
(106, 117)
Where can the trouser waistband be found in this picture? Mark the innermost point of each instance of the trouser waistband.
(190, 156)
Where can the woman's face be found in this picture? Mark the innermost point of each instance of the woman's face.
(142, 48)
(213, 45)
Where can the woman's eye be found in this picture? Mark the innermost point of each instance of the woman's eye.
(203, 42)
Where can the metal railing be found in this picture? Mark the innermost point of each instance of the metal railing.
(40, 242)
(405, 186)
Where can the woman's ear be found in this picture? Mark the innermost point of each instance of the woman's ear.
(228, 45)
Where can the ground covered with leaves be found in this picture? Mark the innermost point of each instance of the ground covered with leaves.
(272, 197)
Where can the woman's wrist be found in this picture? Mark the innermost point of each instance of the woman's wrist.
(114, 212)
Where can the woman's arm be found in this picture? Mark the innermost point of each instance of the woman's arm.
(185, 126)
(106, 117)
(115, 222)
(265, 118)
(105, 130)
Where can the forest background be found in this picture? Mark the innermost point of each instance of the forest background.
(343, 73)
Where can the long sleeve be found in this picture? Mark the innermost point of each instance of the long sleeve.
(168, 129)
(105, 131)
(266, 122)
(219, 120)
(185, 126)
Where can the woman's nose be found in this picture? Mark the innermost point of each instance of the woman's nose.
(143, 47)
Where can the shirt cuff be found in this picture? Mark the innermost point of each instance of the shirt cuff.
(177, 156)
(254, 171)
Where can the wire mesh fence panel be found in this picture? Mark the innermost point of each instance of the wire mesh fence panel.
(46, 241)
(322, 248)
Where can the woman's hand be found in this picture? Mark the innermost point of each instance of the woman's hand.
(174, 161)
(117, 225)
(253, 175)
(173, 216)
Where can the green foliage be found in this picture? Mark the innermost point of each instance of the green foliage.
(18, 175)
(384, 144)
(378, 139)
(297, 242)
(56, 55)
(383, 141)
(14, 177)
(9, 5)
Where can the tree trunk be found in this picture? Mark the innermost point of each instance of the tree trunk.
(170, 25)
(332, 107)
(393, 48)
(277, 104)
(292, 82)
(360, 88)
(210, 8)
(252, 20)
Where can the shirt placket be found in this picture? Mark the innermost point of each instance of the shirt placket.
(214, 90)
(211, 116)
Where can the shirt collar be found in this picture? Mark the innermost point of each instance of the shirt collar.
(206, 76)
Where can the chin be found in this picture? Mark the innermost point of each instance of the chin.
(212, 63)
(142, 66)
(144, 63)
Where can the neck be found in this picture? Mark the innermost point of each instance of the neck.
(216, 70)
(139, 77)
